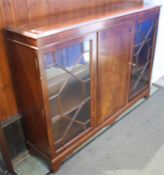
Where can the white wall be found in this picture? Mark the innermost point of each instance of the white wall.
(158, 69)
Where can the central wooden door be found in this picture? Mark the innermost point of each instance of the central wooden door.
(113, 69)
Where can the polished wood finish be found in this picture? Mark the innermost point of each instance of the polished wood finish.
(20, 11)
(74, 19)
(111, 35)
(113, 68)
(7, 99)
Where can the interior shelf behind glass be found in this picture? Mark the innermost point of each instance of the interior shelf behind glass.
(68, 78)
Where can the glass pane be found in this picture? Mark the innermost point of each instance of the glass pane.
(64, 132)
(139, 81)
(68, 76)
(142, 55)
(144, 30)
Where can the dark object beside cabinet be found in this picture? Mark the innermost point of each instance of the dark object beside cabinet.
(15, 138)
(6, 167)
(75, 77)
(12, 144)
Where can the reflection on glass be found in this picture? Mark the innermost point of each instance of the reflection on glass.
(142, 56)
(68, 76)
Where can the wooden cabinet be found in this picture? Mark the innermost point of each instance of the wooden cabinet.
(73, 78)
(20, 11)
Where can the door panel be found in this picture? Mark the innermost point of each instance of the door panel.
(113, 57)
(142, 56)
(69, 77)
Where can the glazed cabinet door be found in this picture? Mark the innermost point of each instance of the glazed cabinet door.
(70, 73)
(114, 50)
(144, 39)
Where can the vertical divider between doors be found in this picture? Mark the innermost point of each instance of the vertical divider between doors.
(131, 58)
(94, 80)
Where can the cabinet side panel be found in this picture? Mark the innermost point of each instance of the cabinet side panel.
(113, 57)
(26, 81)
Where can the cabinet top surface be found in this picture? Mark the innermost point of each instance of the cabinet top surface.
(69, 20)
